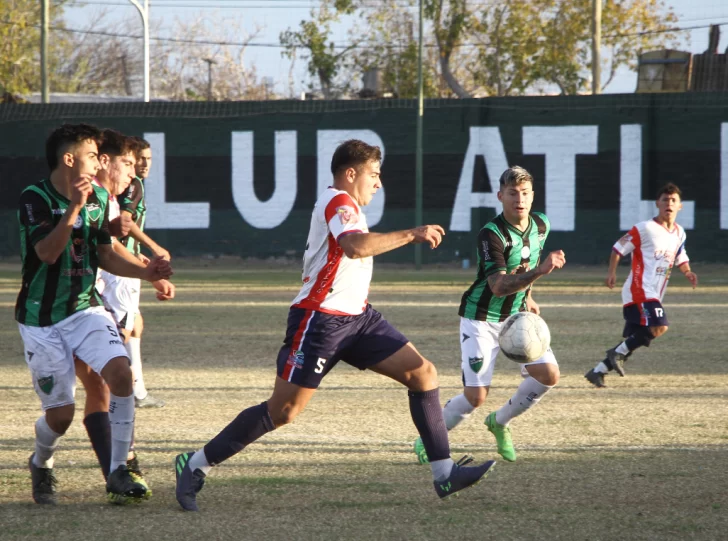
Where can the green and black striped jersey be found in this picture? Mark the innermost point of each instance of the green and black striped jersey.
(132, 200)
(503, 248)
(51, 293)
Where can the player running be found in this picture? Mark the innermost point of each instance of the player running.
(509, 250)
(64, 234)
(656, 245)
(330, 321)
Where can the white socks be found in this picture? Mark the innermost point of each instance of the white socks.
(623, 349)
(46, 441)
(440, 468)
(601, 368)
(528, 394)
(121, 418)
(456, 411)
(199, 462)
(133, 348)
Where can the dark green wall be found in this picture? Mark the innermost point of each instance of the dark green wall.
(680, 139)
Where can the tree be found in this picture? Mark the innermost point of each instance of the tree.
(522, 44)
(324, 60)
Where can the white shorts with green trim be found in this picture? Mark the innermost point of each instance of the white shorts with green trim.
(91, 335)
(479, 349)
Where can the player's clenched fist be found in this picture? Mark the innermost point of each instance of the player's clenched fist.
(555, 260)
(158, 269)
(431, 234)
(80, 189)
(121, 225)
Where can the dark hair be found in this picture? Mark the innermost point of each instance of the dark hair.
(669, 189)
(140, 143)
(115, 143)
(353, 153)
(66, 137)
(513, 176)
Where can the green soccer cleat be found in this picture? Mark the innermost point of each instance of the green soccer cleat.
(419, 448)
(502, 437)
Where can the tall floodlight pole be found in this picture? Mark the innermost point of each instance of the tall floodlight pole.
(144, 12)
(418, 151)
(44, 16)
(210, 62)
(596, 46)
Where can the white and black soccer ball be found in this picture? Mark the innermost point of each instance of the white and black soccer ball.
(524, 337)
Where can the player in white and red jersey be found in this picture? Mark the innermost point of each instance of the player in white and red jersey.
(330, 321)
(656, 245)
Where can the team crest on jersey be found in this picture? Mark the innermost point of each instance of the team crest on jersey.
(46, 384)
(94, 211)
(476, 363)
(347, 215)
(78, 224)
(79, 249)
(525, 252)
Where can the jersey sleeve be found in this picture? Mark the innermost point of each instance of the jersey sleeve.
(129, 200)
(627, 243)
(35, 214)
(342, 216)
(681, 257)
(490, 252)
(544, 228)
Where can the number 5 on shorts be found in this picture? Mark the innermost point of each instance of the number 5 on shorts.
(320, 366)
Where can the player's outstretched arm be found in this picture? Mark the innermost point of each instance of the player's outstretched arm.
(122, 263)
(142, 237)
(358, 245)
(689, 274)
(502, 284)
(612, 272)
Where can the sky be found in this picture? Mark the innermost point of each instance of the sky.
(274, 16)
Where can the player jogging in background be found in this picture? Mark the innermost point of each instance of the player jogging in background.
(656, 245)
(132, 204)
(509, 252)
(64, 234)
(330, 321)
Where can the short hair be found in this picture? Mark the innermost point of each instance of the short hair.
(65, 138)
(140, 143)
(669, 189)
(115, 143)
(513, 176)
(353, 153)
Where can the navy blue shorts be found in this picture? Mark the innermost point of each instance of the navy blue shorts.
(316, 341)
(646, 314)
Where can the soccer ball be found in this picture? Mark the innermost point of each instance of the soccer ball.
(524, 337)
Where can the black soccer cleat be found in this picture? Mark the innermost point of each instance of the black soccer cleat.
(616, 360)
(462, 477)
(44, 483)
(595, 378)
(137, 476)
(122, 488)
(189, 482)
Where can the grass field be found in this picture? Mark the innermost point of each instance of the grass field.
(644, 459)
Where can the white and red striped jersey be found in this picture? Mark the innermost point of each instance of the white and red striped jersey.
(332, 282)
(654, 251)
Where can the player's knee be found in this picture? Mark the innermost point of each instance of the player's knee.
(60, 419)
(284, 415)
(117, 374)
(549, 379)
(546, 374)
(424, 378)
(658, 331)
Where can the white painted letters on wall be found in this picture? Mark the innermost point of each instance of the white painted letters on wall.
(560, 145)
(327, 141)
(486, 142)
(632, 208)
(163, 215)
(273, 212)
